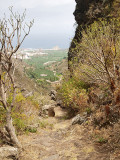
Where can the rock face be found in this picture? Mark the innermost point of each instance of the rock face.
(8, 153)
(86, 12)
(89, 10)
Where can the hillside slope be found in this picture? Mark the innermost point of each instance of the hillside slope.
(23, 82)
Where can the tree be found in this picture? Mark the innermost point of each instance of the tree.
(99, 54)
(13, 29)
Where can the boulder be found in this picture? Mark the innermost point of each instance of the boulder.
(78, 119)
(48, 110)
(53, 97)
(8, 153)
(29, 94)
(23, 90)
(53, 94)
(59, 103)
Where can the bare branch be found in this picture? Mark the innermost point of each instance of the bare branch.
(9, 30)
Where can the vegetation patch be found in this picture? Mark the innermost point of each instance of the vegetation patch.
(39, 66)
(73, 93)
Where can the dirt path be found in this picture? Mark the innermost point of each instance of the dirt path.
(60, 141)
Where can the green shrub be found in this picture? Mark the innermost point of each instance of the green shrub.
(23, 113)
(101, 140)
(88, 110)
(31, 130)
(73, 93)
(19, 122)
(19, 97)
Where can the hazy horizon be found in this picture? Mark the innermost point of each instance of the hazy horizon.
(53, 24)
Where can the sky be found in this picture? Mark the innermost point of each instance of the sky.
(53, 21)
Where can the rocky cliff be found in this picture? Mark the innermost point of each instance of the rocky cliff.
(88, 11)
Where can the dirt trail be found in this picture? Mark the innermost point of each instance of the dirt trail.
(60, 142)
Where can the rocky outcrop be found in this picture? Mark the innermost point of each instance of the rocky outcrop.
(86, 12)
(89, 10)
(8, 152)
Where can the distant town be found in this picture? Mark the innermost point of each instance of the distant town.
(29, 52)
